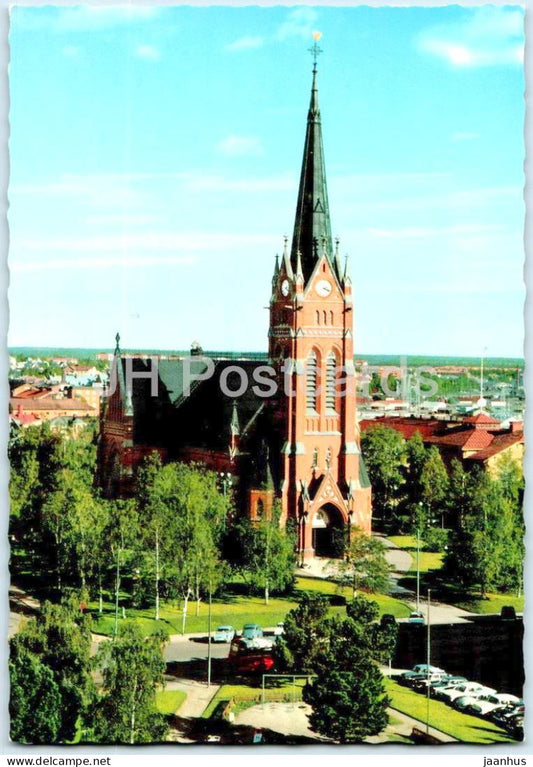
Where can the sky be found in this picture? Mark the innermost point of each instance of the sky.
(155, 155)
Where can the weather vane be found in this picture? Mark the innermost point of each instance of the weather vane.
(315, 50)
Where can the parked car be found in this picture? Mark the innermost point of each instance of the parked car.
(486, 704)
(223, 634)
(422, 668)
(507, 715)
(444, 682)
(416, 617)
(278, 631)
(449, 694)
(424, 680)
(463, 702)
(251, 656)
(408, 678)
(251, 631)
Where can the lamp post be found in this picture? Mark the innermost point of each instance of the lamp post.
(303, 517)
(226, 480)
(209, 637)
(427, 661)
(417, 569)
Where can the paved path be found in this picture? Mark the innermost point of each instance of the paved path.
(291, 719)
(285, 718)
(198, 696)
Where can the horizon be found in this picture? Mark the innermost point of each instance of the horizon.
(163, 174)
(210, 352)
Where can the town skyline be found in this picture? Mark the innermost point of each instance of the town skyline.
(159, 227)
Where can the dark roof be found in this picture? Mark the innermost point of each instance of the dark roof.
(186, 411)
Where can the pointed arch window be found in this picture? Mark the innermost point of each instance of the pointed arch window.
(317, 317)
(311, 382)
(325, 316)
(331, 318)
(331, 365)
(259, 509)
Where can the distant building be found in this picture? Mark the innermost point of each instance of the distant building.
(478, 439)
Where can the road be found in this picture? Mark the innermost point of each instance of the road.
(193, 647)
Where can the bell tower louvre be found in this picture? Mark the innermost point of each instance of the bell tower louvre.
(324, 485)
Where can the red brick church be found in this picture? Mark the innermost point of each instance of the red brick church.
(299, 445)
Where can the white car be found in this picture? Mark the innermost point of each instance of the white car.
(422, 668)
(486, 704)
(449, 694)
(278, 631)
(464, 702)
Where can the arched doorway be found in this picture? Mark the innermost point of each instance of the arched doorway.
(328, 532)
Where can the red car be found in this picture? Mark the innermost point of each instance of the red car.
(251, 657)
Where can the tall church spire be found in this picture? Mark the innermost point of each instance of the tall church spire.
(312, 228)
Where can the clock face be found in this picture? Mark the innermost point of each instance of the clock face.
(285, 287)
(323, 288)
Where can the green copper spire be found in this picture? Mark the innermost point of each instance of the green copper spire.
(312, 228)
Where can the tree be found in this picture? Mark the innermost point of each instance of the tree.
(364, 564)
(122, 537)
(433, 488)
(303, 635)
(132, 668)
(268, 558)
(35, 700)
(348, 705)
(486, 550)
(384, 454)
(152, 486)
(348, 695)
(52, 652)
(197, 510)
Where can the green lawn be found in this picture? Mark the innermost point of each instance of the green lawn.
(429, 560)
(169, 701)
(468, 729)
(492, 603)
(246, 696)
(235, 610)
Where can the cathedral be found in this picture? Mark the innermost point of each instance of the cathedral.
(298, 447)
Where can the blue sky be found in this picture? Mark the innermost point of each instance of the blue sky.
(155, 155)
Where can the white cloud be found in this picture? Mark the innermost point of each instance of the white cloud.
(101, 262)
(462, 136)
(72, 51)
(239, 146)
(205, 183)
(490, 36)
(415, 232)
(137, 242)
(90, 17)
(148, 52)
(244, 43)
(300, 23)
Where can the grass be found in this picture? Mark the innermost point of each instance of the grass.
(235, 610)
(429, 560)
(246, 696)
(467, 729)
(169, 701)
(492, 603)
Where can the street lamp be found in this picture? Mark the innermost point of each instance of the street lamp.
(227, 481)
(427, 662)
(417, 569)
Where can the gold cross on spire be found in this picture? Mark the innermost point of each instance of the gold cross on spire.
(315, 50)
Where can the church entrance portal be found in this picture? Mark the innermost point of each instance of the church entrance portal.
(328, 532)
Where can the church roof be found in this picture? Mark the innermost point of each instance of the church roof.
(187, 411)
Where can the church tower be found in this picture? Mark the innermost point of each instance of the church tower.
(324, 486)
